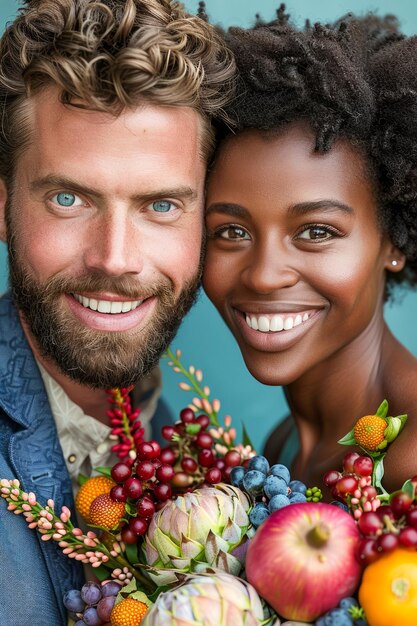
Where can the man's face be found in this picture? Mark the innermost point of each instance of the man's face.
(104, 228)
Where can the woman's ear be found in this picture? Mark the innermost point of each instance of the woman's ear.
(395, 259)
(3, 202)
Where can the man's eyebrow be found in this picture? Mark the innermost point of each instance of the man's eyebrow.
(235, 210)
(67, 183)
(302, 208)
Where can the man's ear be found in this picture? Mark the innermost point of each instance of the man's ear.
(395, 259)
(3, 202)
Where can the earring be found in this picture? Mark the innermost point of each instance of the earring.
(394, 262)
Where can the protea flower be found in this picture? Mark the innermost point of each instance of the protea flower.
(197, 531)
(219, 599)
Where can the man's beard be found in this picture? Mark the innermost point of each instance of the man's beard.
(94, 358)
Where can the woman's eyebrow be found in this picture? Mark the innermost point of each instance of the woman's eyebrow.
(235, 210)
(302, 208)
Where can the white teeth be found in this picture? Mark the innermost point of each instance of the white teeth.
(107, 306)
(275, 323)
(263, 324)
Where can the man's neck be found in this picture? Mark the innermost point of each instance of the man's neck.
(92, 401)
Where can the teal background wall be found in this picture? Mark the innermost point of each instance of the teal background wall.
(204, 340)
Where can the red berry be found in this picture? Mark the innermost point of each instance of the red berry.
(162, 492)
(363, 466)
(412, 517)
(400, 502)
(133, 488)
(167, 432)
(203, 420)
(189, 465)
(204, 440)
(384, 510)
(138, 525)
(408, 537)
(368, 551)
(120, 472)
(232, 458)
(213, 475)
(206, 458)
(226, 474)
(220, 464)
(348, 461)
(145, 507)
(369, 524)
(145, 470)
(128, 536)
(145, 451)
(187, 416)
(156, 448)
(117, 493)
(346, 485)
(330, 478)
(167, 456)
(387, 542)
(165, 473)
(181, 480)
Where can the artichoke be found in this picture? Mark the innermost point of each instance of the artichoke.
(197, 531)
(215, 600)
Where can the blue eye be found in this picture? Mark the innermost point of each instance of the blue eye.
(162, 206)
(66, 199)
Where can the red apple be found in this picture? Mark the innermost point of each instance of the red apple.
(302, 559)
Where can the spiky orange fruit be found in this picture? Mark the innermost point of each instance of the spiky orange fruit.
(369, 431)
(89, 491)
(105, 512)
(128, 612)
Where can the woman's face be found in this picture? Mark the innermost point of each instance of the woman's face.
(296, 259)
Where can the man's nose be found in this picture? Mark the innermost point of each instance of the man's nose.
(270, 266)
(114, 247)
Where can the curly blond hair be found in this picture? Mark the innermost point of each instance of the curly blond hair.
(107, 55)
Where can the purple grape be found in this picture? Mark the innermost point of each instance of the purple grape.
(91, 617)
(73, 601)
(105, 606)
(91, 593)
(111, 588)
(80, 622)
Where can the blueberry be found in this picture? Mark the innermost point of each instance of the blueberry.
(295, 497)
(338, 617)
(361, 621)
(236, 476)
(278, 502)
(346, 603)
(258, 514)
(73, 601)
(321, 621)
(340, 505)
(253, 482)
(282, 471)
(298, 486)
(259, 463)
(274, 485)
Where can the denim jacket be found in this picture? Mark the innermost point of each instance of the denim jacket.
(34, 574)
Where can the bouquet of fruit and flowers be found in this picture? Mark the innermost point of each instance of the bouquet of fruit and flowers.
(205, 532)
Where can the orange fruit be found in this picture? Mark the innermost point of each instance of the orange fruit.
(369, 431)
(105, 512)
(128, 612)
(388, 593)
(89, 491)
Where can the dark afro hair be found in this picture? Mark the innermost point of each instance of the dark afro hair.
(355, 79)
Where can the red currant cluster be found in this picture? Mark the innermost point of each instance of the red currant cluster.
(156, 474)
(353, 486)
(390, 526)
(192, 453)
(126, 426)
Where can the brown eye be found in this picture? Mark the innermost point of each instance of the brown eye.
(315, 233)
(232, 232)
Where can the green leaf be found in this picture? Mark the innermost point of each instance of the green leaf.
(378, 474)
(382, 410)
(408, 487)
(192, 429)
(105, 471)
(142, 597)
(131, 552)
(348, 440)
(82, 478)
(102, 573)
(246, 440)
